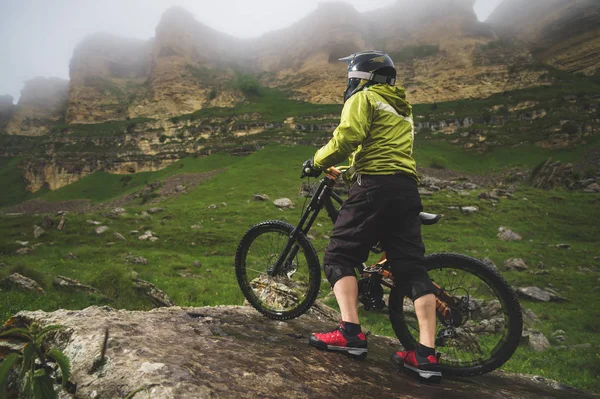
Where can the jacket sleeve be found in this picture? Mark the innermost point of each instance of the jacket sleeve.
(352, 130)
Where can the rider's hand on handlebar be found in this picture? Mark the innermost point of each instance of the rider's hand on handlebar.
(309, 170)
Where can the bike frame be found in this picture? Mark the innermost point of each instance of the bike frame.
(308, 218)
(316, 204)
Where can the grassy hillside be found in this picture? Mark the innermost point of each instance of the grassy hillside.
(543, 218)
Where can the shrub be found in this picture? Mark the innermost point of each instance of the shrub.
(248, 85)
(438, 163)
(589, 173)
(37, 374)
(125, 180)
(569, 128)
(114, 283)
(212, 94)
(162, 138)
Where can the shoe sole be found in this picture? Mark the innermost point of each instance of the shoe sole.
(357, 353)
(430, 376)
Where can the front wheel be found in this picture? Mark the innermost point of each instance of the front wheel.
(294, 289)
(479, 318)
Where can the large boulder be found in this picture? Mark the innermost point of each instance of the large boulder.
(234, 352)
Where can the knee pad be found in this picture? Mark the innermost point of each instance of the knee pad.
(335, 272)
(420, 286)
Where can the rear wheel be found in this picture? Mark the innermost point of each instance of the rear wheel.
(291, 292)
(483, 328)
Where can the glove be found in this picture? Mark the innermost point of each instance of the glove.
(308, 169)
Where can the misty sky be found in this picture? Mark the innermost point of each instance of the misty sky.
(37, 37)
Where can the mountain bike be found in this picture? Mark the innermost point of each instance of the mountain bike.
(479, 316)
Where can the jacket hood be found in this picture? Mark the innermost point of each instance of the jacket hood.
(394, 96)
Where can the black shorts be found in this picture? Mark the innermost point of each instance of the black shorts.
(382, 208)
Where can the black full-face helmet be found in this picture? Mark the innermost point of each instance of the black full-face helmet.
(372, 66)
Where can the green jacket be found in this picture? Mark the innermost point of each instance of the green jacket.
(376, 131)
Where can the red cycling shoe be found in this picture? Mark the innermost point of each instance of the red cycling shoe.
(338, 340)
(426, 367)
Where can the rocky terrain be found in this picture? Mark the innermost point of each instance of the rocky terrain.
(234, 352)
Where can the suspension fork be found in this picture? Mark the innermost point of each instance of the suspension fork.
(306, 221)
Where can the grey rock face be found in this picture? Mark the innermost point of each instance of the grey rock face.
(20, 282)
(535, 340)
(508, 235)
(284, 203)
(234, 352)
(468, 210)
(37, 231)
(71, 283)
(515, 264)
(534, 293)
(592, 188)
(23, 251)
(539, 294)
(120, 237)
(101, 229)
(136, 260)
(260, 197)
(158, 296)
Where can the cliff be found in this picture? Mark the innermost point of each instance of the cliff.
(42, 104)
(108, 75)
(439, 49)
(562, 33)
(234, 352)
(442, 52)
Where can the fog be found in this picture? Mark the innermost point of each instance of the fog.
(37, 37)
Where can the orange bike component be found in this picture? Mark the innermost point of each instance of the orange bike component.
(333, 172)
(442, 299)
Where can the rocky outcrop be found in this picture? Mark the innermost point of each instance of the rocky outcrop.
(108, 75)
(562, 33)
(42, 104)
(234, 352)
(436, 47)
(553, 174)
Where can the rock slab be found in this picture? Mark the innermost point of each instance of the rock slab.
(234, 352)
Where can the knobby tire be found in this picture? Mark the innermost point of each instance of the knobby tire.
(502, 289)
(311, 258)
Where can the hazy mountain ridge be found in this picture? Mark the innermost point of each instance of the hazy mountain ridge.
(441, 52)
(561, 33)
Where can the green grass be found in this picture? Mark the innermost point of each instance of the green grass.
(102, 186)
(429, 152)
(14, 188)
(543, 218)
(272, 104)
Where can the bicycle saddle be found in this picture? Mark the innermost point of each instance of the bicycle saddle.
(429, 218)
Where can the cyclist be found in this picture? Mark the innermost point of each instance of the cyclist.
(376, 131)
